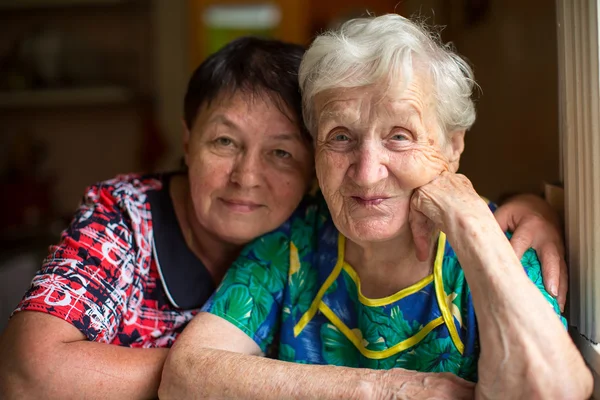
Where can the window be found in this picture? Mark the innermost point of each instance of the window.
(579, 80)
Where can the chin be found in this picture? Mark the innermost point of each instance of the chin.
(240, 234)
(370, 232)
(371, 237)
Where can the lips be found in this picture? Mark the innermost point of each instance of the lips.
(370, 200)
(240, 205)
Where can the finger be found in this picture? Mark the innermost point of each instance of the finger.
(422, 231)
(458, 388)
(504, 218)
(522, 239)
(563, 285)
(550, 260)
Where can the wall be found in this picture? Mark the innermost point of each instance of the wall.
(86, 143)
(512, 147)
(323, 13)
(83, 145)
(514, 144)
(171, 76)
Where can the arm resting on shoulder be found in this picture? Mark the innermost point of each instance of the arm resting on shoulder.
(535, 224)
(214, 359)
(42, 356)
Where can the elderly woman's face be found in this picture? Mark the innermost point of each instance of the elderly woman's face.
(375, 145)
(248, 167)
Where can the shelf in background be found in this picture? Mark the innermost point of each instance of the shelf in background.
(66, 97)
(34, 4)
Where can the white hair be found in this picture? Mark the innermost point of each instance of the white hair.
(365, 51)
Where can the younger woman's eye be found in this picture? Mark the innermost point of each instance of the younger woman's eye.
(224, 141)
(281, 153)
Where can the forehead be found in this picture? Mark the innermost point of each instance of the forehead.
(248, 109)
(406, 97)
(250, 102)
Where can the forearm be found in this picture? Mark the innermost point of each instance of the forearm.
(517, 326)
(505, 300)
(87, 369)
(219, 374)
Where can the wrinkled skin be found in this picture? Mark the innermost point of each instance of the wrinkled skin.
(388, 174)
(418, 151)
(516, 330)
(374, 148)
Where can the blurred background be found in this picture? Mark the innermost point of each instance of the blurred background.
(93, 88)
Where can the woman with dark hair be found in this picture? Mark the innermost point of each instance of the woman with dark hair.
(144, 253)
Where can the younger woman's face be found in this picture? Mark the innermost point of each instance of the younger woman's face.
(249, 166)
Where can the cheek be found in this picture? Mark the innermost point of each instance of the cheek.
(291, 183)
(286, 192)
(330, 168)
(418, 167)
(207, 174)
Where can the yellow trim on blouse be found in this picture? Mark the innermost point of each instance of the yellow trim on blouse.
(312, 310)
(441, 294)
(384, 301)
(381, 354)
(436, 277)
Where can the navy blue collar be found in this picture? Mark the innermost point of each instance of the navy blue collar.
(185, 279)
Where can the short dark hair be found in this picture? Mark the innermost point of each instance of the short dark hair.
(253, 65)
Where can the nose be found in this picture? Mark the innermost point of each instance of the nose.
(246, 171)
(369, 165)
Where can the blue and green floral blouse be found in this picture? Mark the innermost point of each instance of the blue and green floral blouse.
(294, 284)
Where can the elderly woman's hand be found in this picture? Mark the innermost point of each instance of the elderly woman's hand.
(398, 383)
(514, 319)
(444, 204)
(531, 219)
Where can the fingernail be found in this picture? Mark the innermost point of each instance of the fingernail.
(553, 291)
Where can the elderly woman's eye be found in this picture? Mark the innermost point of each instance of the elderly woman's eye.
(399, 137)
(281, 153)
(340, 137)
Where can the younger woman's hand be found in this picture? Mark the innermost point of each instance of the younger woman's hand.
(535, 224)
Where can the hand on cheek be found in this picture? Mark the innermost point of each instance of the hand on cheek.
(433, 164)
(436, 203)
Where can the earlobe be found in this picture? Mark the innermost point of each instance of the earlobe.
(457, 146)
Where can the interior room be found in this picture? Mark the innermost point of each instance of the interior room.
(93, 88)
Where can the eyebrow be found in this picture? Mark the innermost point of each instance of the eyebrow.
(334, 112)
(286, 136)
(223, 119)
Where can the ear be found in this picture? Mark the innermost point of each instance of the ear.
(455, 149)
(186, 141)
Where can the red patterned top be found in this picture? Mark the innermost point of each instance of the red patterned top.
(103, 277)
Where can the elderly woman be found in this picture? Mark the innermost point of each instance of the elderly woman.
(345, 281)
